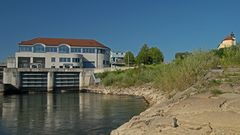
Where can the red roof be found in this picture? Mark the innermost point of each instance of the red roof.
(229, 38)
(58, 41)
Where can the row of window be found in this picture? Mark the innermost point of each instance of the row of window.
(77, 60)
(62, 49)
(64, 59)
(88, 50)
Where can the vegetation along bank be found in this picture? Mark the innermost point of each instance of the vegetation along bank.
(197, 93)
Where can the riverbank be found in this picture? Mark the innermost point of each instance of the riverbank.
(196, 110)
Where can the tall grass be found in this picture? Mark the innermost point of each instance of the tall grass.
(181, 74)
(229, 56)
(177, 75)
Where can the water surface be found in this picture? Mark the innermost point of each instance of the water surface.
(66, 113)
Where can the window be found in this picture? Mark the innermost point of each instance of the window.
(38, 48)
(76, 60)
(64, 60)
(88, 50)
(68, 60)
(64, 49)
(88, 64)
(52, 66)
(76, 50)
(51, 49)
(25, 49)
(102, 51)
(53, 59)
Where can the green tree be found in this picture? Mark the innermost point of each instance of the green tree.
(129, 59)
(155, 56)
(142, 57)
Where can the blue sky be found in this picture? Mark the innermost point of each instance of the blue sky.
(172, 25)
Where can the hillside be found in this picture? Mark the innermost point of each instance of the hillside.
(199, 94)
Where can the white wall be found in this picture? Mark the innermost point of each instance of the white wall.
(48, 57)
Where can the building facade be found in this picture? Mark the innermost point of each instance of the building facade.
(62, 53)
(228, 41)
(117, 58)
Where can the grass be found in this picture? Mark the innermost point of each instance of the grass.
(216, 92)
(177, 75)
(215, 82)
(229, 56)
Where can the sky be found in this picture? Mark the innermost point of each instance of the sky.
(122, 25)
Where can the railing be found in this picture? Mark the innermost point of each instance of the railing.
(111, 69)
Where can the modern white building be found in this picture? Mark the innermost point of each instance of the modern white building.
(62, 53)
(117, 58)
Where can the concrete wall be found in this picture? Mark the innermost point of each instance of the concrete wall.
(12, 76)
(11, 62)
(48, 56)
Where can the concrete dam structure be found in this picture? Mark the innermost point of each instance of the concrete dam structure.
(46, 80)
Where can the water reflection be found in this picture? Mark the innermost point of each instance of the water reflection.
(67, 113)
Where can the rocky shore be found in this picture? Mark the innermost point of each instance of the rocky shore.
(187, 112)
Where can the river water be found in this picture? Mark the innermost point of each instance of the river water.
(66, 113)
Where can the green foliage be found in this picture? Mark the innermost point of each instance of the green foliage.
(229, 56)
(182, 55)
(142, 57)
(215, 82)
(182, 74)
(216, 92)
(155, 56)
(149, 55)
(177, 75)
(129, 59)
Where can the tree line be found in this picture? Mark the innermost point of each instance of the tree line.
(146, 56)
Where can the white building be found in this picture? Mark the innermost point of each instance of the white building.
(62, 53)
(228, 41)
(117, 58)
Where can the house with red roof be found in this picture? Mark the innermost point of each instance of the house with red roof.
(62, 53)
(228, 41)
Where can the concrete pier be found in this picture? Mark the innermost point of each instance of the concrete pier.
(50, 82)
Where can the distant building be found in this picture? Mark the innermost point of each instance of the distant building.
(117, 58)
(228, 41)
(61, 53)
